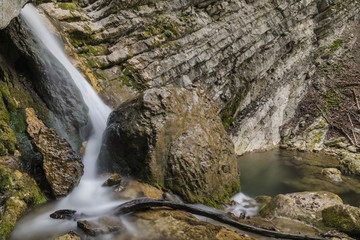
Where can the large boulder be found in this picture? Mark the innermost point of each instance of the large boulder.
(62, 166)
(172, 137)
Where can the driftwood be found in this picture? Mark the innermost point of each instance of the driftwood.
(146, 203)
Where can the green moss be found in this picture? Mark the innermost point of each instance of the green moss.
(342, 219)
(67, 6)
(169, 33)
(211, 203)
(228, 113)
(129, 78)
(22, 193)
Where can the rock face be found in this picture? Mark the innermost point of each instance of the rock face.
(172, 137)
(253, 57)
(18, 192)
(51, 81)
(344, 218)
(10, 9)
(63, 167)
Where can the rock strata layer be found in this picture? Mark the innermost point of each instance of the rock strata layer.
(253, 57)
(63, 167)
(172, 137)
(10, 9)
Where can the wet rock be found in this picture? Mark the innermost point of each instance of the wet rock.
(172, 137)
(103, 225)
(332, 174)
(135, 189)
(18, 193)
(344, 218)
(177, 225)
(114, 180)
(63, 214)
(70, 236)
(304, 206)
(63, 167)
(51, 81)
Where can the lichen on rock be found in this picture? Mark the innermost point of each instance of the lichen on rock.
(172, 137)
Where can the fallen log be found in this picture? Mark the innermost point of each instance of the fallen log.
(146, 203)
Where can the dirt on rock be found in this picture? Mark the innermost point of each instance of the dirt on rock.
(334, 92)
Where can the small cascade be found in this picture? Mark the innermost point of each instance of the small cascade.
(89, 197)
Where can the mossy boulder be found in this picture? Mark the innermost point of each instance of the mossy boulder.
(303, 206)
(173, 138)
(18, 192)
(344, 218)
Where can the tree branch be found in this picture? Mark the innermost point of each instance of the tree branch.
(146, 203)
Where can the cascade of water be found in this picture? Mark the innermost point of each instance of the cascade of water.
(89, 197)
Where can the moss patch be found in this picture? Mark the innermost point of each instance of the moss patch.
(21, 192)
(228, 113)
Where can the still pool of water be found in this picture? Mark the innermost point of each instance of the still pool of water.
(280, 171)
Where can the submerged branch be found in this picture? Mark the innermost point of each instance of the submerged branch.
(146, 203)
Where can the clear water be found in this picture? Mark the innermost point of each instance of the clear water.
(279, 171)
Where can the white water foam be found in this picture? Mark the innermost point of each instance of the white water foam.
(89, 197)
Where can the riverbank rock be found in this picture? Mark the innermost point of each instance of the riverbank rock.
(303, 206)
(135, 189)
(311, 139)
(102, 225)
(172, 137)
(351, 164)
(344, 218)
(70, 236)
(18, 193)
(63, 167)
(333, 174)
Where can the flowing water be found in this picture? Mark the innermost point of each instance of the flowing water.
(89, 197)
(267, 173)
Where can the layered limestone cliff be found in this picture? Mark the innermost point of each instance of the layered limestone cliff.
(10, 10)
(253, 57)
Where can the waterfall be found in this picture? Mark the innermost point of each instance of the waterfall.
(89, 197)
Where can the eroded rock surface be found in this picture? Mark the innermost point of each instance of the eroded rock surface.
(172, 137)
(63, 167)
(253, 57)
